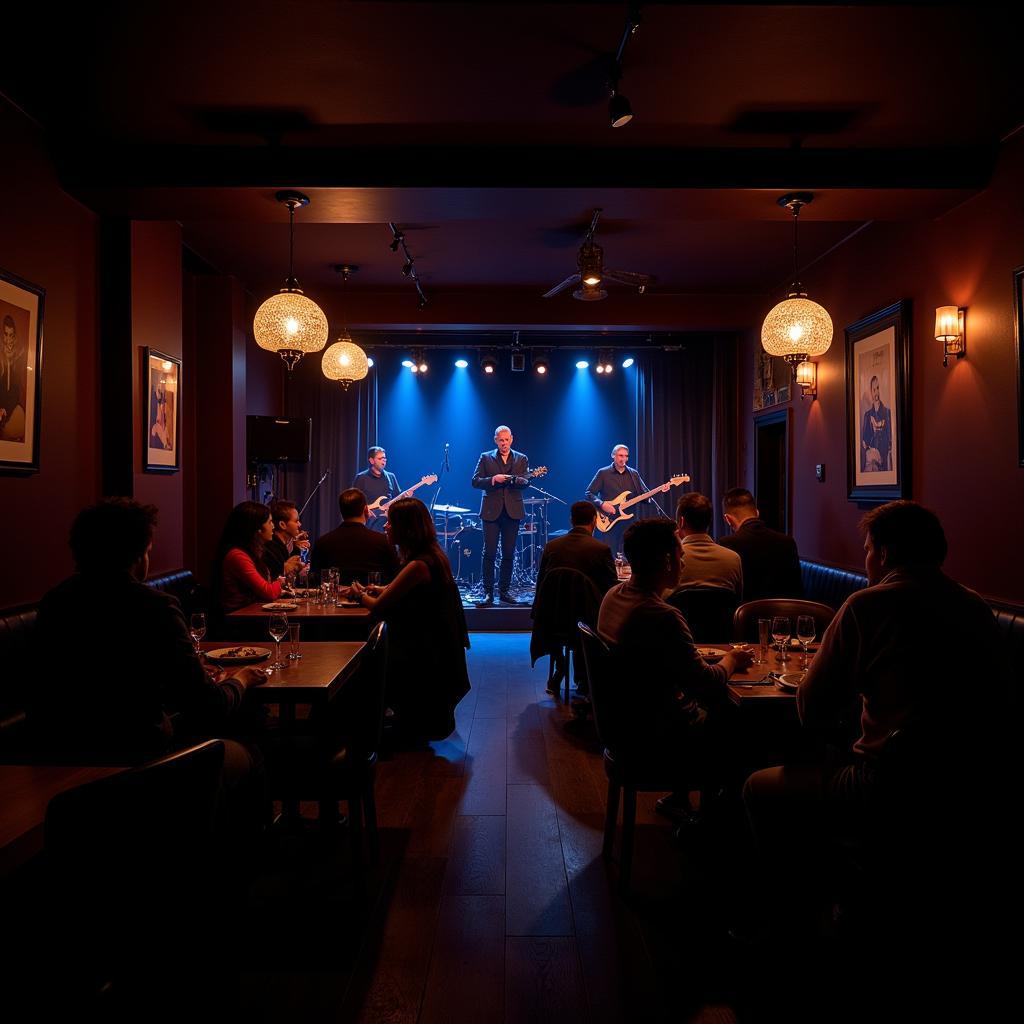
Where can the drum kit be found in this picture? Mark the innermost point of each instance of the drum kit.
(461, 534)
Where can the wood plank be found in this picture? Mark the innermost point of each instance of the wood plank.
(485, 768)
(466, 982)
(527, 753)
(477, 865)
(543, 982)
(431, 820)
(492, 701)
(538, 898)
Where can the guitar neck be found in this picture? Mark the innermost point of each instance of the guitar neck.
(639, 498)
(404, 494)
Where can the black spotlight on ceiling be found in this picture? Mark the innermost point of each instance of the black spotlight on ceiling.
(541, 365)
(419, 361)
(489, 363)
(604, 362)
(619, 110)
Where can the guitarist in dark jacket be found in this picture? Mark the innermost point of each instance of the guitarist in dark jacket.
(608, 483)
(502, 474)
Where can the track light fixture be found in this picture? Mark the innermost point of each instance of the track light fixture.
(604, 362)
(541, 364)
(409, 266)
(418, 363)
(620, 112)
(488, 363)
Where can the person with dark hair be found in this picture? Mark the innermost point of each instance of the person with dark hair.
(673, 702)
(609, 482)
(876, 434)
(279, 554)
(240, 576)
(705, 563)
(144, 666)
(427, 674)
(377, 482)
(918, 658)
(352, 548)
(771, 563)
(13, 379)
(576, 550)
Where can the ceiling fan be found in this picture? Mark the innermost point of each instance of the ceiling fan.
(592, 274)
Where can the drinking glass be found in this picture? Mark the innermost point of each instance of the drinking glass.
(764, 628)
(313, 586)
(197, 628)
(781, 632)
(806, 631)
(293, 641)
(373, 578)
(278, 630)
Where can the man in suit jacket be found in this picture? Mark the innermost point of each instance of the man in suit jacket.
(576, 550)
(281, 554)
(352, 548)
(503, 475)
(771, 564)
(377, 482)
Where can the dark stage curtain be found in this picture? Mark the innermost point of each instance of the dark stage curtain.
(686, 408)
(344, 426)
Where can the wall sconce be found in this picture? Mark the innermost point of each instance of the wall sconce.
(807, 379)
(949, 329)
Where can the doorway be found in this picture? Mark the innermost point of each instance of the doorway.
(771, 468)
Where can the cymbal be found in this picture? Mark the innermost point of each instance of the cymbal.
(533, 501)
(450, 508)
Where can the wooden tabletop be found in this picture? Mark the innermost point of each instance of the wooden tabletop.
(742, 693)
(305, 611)
(25, 793)
(314, 679)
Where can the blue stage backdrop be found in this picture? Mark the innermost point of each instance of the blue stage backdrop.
(567, 420)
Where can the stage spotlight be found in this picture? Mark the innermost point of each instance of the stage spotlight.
(408, 364)
(488, 363)
(604, 362)
(599, 367)
(582, 364)
(627, 362)
(461, 363)
(619, 111)
(541, 364)
(369, 361)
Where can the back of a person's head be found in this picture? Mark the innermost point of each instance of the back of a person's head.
(243, 525)
(112, 535)
(280, 510)
(412, 529)
(351, 503)
(647, 542)
(695, 511)
(582, 513)
(911, 534)
(739, 502)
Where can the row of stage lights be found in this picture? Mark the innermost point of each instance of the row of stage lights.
(417, 363)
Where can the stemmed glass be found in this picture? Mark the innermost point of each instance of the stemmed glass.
(278, 630)
(781, 632)
(806, 631)
(197, 628)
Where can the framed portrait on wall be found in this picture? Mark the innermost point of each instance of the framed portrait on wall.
(1018, 327)
(21, 353)
(162, 406)
(878, 405)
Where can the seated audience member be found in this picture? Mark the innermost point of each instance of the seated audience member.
(672, 701)
(240, 576)
(427, 637)
(917, 657)
(705, 563)
(281, 552)
(139, 663)
(576, 550)
(771, 565)
(352, 548)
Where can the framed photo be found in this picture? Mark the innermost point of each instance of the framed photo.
(162, 421)
(1018, 327)
(21, 355)
(772, 380)
(878, 405)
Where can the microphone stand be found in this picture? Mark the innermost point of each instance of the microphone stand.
(327, 473)
(445, 465)
(651, 499)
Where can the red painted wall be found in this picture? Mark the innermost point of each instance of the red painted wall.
(964, 418)
(50, 240)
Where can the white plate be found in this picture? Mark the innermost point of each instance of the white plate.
(280, 606)
(242, 654)
(790, 680)
(712, 654)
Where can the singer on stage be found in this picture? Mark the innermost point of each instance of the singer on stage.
(503, 475)
(609, 482)
(376, 482)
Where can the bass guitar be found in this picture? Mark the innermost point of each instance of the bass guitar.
(605, 522)
(380, 506)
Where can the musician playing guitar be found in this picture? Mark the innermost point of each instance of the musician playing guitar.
(376, 482)
(609, 483)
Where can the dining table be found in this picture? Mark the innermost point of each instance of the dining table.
(324, 622)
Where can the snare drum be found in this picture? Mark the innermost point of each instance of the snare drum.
(465, 553)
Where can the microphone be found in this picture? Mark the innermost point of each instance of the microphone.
(447, 467)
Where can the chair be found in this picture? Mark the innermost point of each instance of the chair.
(708, 612)
(625, 774)
(566, 596)
(744, 622)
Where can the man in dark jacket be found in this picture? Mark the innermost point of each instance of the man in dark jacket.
(771, 564)
(353, 548)
(281, 552)
(503, 475)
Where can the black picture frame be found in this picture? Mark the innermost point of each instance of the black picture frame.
(21, 373)
(1018, 330)
(161, 407)
(878, 436)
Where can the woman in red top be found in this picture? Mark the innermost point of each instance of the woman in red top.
(240, 576)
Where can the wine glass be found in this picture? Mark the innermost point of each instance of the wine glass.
(781, 632)
(197, 628)
(278, 630)
(806, 631)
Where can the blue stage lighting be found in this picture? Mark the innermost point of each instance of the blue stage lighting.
(461, 363)
(582, 365)
(369, 361)
(627, 363)
(408, 364)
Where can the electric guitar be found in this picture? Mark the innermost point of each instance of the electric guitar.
(606, 522)
(380, 506)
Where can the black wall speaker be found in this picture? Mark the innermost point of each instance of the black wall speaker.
(276, 439)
